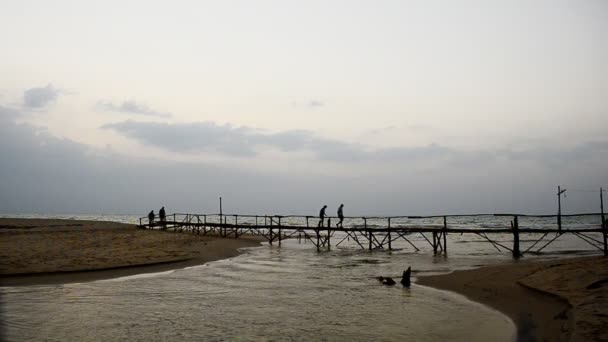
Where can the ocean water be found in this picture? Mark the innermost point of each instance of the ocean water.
(273, 293)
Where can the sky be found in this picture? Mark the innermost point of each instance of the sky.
(281, 107)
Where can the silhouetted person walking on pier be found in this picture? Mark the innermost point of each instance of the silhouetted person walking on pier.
(162, 215)
(322, 216)
(340, 216)
(151, 217)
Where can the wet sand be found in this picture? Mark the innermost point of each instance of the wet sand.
(558, 300)
(45, 251)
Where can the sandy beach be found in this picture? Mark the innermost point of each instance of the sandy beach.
(44, 251)
(559, 300)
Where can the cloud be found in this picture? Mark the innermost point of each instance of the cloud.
(247, 142)
(554, 157)
(312, 104)
(7, 113)
(187, 138)
(37, 98)
(131, 107)
(42, 173)
(316, 103)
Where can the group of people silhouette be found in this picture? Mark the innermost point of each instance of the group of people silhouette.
(161, 215)
(340, 216)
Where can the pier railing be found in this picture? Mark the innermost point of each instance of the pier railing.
(379, 232)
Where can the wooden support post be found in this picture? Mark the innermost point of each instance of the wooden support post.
(221, 229)
(328, 232)
(279, 230)
(318, 238)
(605, 232)
(516, 253)
(435, 244)
(224, 229)
(559, 207)
(390, 244)
(445, 235)
(236, 226)
(369, 233)
(270, 231)
(204, 224)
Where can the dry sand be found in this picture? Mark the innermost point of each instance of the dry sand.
(559, 300)
(41, 251)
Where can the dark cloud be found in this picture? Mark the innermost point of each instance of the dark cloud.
(42, 173)
(8, 114)
(246, 142)
(194, 137)
(37, 98)
(561, 157)
(131, 107)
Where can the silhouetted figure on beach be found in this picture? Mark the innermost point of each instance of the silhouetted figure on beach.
(322, 216)
(340, 216)
(405, 278)
(151, 217)
(162, 215)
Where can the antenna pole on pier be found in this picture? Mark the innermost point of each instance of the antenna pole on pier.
(559, 207)
(604, 223)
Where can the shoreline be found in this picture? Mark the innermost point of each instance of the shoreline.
(547, 300)
(82, 276)
(52, 251)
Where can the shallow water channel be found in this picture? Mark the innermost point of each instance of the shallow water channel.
(268, 293)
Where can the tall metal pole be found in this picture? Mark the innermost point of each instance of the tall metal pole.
(559, 207)
(602, 207)
(604, 223)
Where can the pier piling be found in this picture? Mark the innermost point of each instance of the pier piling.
(516, 252)
(382, 232)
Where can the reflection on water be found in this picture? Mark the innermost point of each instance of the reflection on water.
(288, 293)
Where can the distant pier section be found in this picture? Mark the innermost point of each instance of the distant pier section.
(383, 232)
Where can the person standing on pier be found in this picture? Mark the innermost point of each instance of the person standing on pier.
(340, 216)
(151, 217)
(162, 215)
(322, 216)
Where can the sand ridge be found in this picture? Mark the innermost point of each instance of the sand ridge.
(548, 301)
(35, 251)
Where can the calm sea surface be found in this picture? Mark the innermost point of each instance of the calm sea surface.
(275, 293)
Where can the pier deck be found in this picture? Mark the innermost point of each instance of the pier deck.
(381, 232)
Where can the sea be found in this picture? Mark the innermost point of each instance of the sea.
(290, 292)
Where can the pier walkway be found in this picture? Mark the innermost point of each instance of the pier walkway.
(382, 232)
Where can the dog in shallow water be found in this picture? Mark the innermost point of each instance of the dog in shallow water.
(405, 279)
(386, 280)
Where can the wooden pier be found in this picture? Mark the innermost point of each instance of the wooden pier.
(383, 232)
